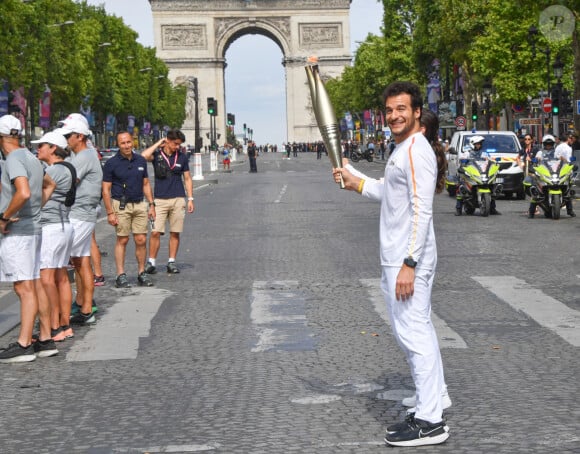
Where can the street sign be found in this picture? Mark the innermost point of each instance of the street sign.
(578, 107)
(460, 122)
(530, 121)
(547, 105)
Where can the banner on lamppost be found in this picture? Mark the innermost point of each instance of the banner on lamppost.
(19, 101)
(348, 119)
(3, 97)
(146, 128)
(110, 123)
(85, 109)
(44, 109)
(130, 121)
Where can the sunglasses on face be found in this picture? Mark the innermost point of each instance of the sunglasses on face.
(69, 135)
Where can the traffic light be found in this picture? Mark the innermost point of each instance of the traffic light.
(231, 119)
(474, 109)
(212, 107)
(556, 100)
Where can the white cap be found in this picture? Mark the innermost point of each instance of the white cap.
(548, 138)
(52, 138)
(76, 123)
(10, 126)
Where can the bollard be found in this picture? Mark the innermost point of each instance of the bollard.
(197, 170)
(213, 161)
(234, 154)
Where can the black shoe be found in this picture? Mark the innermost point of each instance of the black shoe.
(495, 212)
(16, 353)
(144, 280)
(530, 215)
(45, 349)
(150, 269)
(571, 214)
(121, 281)
(397, 427)
(417, 432)
(172, 268)
(83, 319)
(458, 212)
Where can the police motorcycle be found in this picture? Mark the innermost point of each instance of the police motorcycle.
(550, 185)
(358, 154)
(475, 182)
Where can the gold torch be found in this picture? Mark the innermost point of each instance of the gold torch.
(325, 116)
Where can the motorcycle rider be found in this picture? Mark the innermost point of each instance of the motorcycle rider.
(476, 143)
(547, 152)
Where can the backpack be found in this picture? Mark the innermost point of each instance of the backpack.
(72, 192)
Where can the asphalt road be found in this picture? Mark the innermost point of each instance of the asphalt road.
(273, 339)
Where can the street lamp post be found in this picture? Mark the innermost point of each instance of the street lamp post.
(487, 104)
(193, 86)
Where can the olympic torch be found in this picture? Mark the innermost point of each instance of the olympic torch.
(324, 114)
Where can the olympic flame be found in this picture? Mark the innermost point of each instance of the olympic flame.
(325, 117)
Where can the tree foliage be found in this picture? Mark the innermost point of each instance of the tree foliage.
(81, 53)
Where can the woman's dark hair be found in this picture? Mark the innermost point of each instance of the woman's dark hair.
(430, 122)
(397, 88)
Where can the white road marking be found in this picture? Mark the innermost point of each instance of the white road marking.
(446, 336)
(117, 332)
(545, 310)
(281, 194)
(171, 448)
(278, 314)
(316, 399)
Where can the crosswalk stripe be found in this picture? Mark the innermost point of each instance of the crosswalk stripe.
(117, 332)
(279, 315)
(545, 310)
(446, 336)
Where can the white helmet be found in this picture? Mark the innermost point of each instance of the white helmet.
(475, 139)
(548, 138)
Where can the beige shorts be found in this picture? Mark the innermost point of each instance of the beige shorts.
(133, 219)
(172, 210)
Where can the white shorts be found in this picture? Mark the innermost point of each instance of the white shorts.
(20, 258)
(83, 230)
(56, 245)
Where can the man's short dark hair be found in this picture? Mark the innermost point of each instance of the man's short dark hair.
(175, 134)
(410, 88)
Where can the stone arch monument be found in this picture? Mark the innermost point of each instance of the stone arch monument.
(192, 37)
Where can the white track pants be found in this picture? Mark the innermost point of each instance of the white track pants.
(415, 334)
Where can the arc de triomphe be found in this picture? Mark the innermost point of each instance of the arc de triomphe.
(192, 37)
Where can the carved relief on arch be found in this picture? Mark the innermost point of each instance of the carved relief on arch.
(187, 36)
(279, 26)
(320, 35)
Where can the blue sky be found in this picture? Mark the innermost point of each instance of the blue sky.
(255, 87)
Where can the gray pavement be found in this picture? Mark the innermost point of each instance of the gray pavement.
(273, 338)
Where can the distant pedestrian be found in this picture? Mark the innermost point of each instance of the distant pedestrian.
(24, 186)
(83, 214)
(125, 185)
(173, 184)
(226, 157)
(252, 154)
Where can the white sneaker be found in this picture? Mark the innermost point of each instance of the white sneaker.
(412, 402)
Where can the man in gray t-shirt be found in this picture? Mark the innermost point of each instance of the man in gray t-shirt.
(83, 215)
(24, 186)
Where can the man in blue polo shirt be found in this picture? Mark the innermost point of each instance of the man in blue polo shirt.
(125, 182)
(172, 184)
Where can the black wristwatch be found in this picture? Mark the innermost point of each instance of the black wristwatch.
(2, 218)
(410, 262)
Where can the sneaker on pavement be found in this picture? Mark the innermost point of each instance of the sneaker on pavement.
(75, 308)
(83, 319)
(16, 353)
(416, 432)
(57, 335)
(122, 282)
(45, 349)
(144, 280)
(99, 281)
(150, 269)
(68, 331)
(412, 402)
(172, 268)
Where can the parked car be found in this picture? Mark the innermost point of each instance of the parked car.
(107, 153)
(502, 144)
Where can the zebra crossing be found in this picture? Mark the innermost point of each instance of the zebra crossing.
(278, 313)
